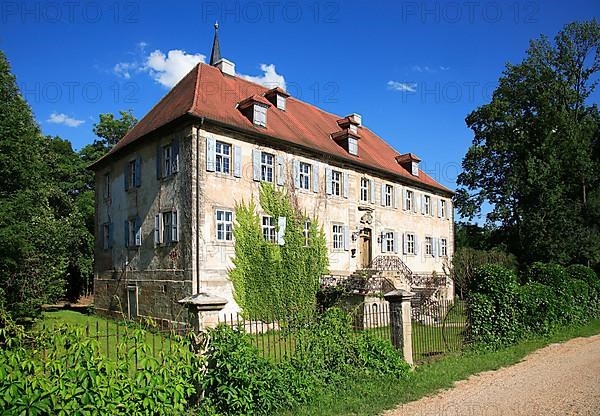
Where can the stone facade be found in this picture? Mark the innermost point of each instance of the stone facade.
(147, 279)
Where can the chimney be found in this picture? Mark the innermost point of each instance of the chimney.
(226, 66)
(356, 118)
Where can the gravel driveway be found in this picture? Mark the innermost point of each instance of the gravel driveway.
(560, 379)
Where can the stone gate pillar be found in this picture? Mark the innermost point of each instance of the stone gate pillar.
(401, 322)
(199, 305)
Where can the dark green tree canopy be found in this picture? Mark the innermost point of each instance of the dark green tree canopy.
(534, 155)
(111, 129)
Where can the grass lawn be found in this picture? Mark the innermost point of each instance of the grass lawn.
(108, 332)
(372, 396)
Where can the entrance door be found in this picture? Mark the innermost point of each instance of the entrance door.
(365, 248)
(132, 302)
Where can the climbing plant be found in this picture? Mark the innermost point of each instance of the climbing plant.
(276, 279)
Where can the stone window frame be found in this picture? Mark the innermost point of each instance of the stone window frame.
(365, 185)
(443, 247)
(269, 230)
(412, 243)
(305, 177)
(430, 245)
(337, 237)
(222, 156)
(266, 167)
(336, 182)
(225, 223)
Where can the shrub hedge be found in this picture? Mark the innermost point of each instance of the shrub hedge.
(501, 311)
(73, 377)
(239, 382)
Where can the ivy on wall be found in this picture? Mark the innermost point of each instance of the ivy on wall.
(272, 280)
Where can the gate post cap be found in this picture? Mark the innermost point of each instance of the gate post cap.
(398, 295)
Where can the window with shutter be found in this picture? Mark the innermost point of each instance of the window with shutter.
(224, 225)
(364, 190)
(223, 157)
(304, 175)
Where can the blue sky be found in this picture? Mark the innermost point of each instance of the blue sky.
(413, 69)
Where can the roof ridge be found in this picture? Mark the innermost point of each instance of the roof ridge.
(196, 86)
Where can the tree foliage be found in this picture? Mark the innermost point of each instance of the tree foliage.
(273, 280)
(535, 154)
(111, 129)
(44, 242)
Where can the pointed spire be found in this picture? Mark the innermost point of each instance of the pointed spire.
(215, 55)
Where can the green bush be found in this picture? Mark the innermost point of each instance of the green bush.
(501, 311)
(494, 280)
(575, 301)
(588, 275)
(72, 376)
(539, 308)
(493, 311)
(549, 274)
(238, 381)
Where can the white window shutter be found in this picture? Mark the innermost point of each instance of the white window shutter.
(404, 207)
(396, 192)
(346, 180)
(138, 231)
(383, 245)
(423, 204)
(210, 154)
(383, 194)
(395, 242)
(433, 246)
(372, 186)
(414, 202)
(175, 227)
(296, 168)
(448, 204)
(439, 207)
(416, 244)
(281, 224)
(346, 238)
(157, 234)
(328, 181)
(315, 177)
(237, 161)
(280, 170)
(256, 164)
(404, 244)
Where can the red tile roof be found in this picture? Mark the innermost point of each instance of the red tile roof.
(206, 92)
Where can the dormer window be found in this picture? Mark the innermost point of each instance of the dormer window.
(278, 97)
(353, 146)
(255, 109)
(410, 162)
(281, 102)
(260, 115)
(348, 136)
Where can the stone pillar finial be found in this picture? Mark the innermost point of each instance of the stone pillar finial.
(199, 304)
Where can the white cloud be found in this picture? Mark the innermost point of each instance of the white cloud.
(402, 86)
(124, 69)
(168, 69)
(419, 68)
(270, 78)
(62, 118)
(445, 68)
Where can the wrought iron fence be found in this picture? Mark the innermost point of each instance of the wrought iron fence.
(439, 326)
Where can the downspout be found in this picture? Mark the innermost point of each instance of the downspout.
(197, 202)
